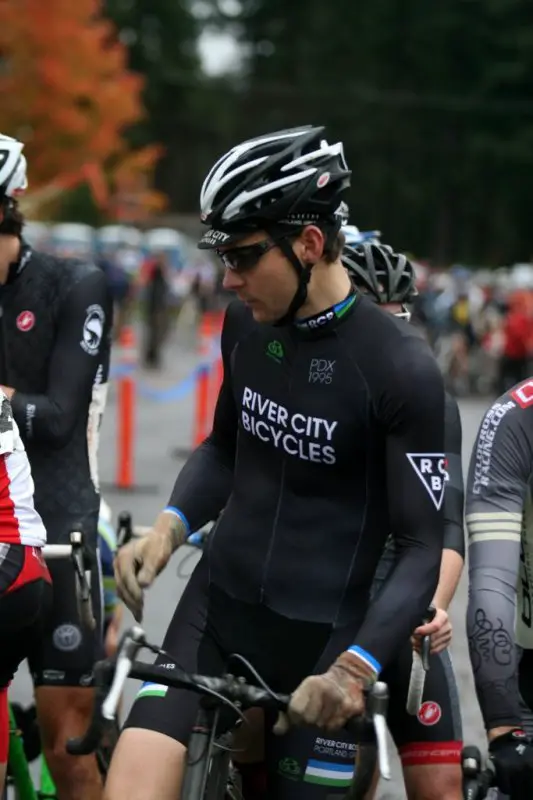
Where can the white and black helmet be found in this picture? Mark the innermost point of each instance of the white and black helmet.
(388, 277)
(13, 179)
(289, 178)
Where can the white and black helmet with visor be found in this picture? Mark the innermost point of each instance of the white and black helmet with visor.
(385, 276)
(279, 183)
(13, 179)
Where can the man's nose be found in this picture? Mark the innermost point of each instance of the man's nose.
(232, 280)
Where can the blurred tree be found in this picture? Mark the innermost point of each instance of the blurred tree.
(66, 91)
(432, 100)
(161, 38)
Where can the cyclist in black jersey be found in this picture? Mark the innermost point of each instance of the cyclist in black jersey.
(429, 745)
(54, 358)
(328, 432)
(499, 622)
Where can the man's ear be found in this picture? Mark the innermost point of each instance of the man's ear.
(309, 246)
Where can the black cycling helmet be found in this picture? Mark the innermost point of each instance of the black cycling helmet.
(279, 183)
(388, 277)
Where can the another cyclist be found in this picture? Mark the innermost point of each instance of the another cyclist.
(500, 633)
(328, 432)
(55, 330)
(25, 591)
(430, 744)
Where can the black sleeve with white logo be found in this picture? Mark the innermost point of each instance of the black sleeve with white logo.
(80, 346)
(454, 495)
(412, 411)
(497, 505)
(204, 484)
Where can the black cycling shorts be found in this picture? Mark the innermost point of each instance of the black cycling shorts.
(25, 597)
(68, 651)
(434, 736)
(207, 627)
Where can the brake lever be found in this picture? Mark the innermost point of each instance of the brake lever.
(82, 568)
(132, 642)
(124, 528)
(425, 648)
(379, 701)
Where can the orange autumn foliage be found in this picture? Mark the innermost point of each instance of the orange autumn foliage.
(66, 90)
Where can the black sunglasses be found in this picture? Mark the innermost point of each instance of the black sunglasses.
(242, 259)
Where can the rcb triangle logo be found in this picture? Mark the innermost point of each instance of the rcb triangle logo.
(431, 469)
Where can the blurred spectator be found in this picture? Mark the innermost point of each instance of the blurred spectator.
(203, 286)
(120, 284)
(156, 308)
(516, 341)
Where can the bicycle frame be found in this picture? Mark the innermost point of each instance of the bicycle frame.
(207, 773)
(19, 769)
(48, 788)
(18, 765)
(202, 781)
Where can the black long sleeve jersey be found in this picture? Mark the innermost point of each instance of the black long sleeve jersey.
(454, 493)
(55, 347)
(325, 438)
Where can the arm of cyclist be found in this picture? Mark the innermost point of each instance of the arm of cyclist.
(497, 489)
(440, 628)
(201, 491)
(52, 415)
(413, 413)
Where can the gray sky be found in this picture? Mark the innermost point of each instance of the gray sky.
(219, 53)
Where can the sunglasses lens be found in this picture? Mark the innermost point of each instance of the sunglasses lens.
(241, 259)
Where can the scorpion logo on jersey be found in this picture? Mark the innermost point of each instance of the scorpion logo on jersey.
(93, 329)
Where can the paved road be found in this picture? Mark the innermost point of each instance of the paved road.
(162, 425)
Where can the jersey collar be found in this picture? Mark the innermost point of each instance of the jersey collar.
(16, 267)
(329, 318)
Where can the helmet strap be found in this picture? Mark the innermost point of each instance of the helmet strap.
(303, 270)
(404, 314)
(304, 275)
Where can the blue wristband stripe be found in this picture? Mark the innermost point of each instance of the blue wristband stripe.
(366, 657)
(181, 515)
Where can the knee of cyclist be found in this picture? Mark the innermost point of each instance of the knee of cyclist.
(67, 770)
(145, 763)
(438, 782)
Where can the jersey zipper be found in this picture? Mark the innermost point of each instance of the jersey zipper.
(280, 497)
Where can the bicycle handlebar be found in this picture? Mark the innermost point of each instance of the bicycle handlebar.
(110, 677)
(82, 563)
(419, 669)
